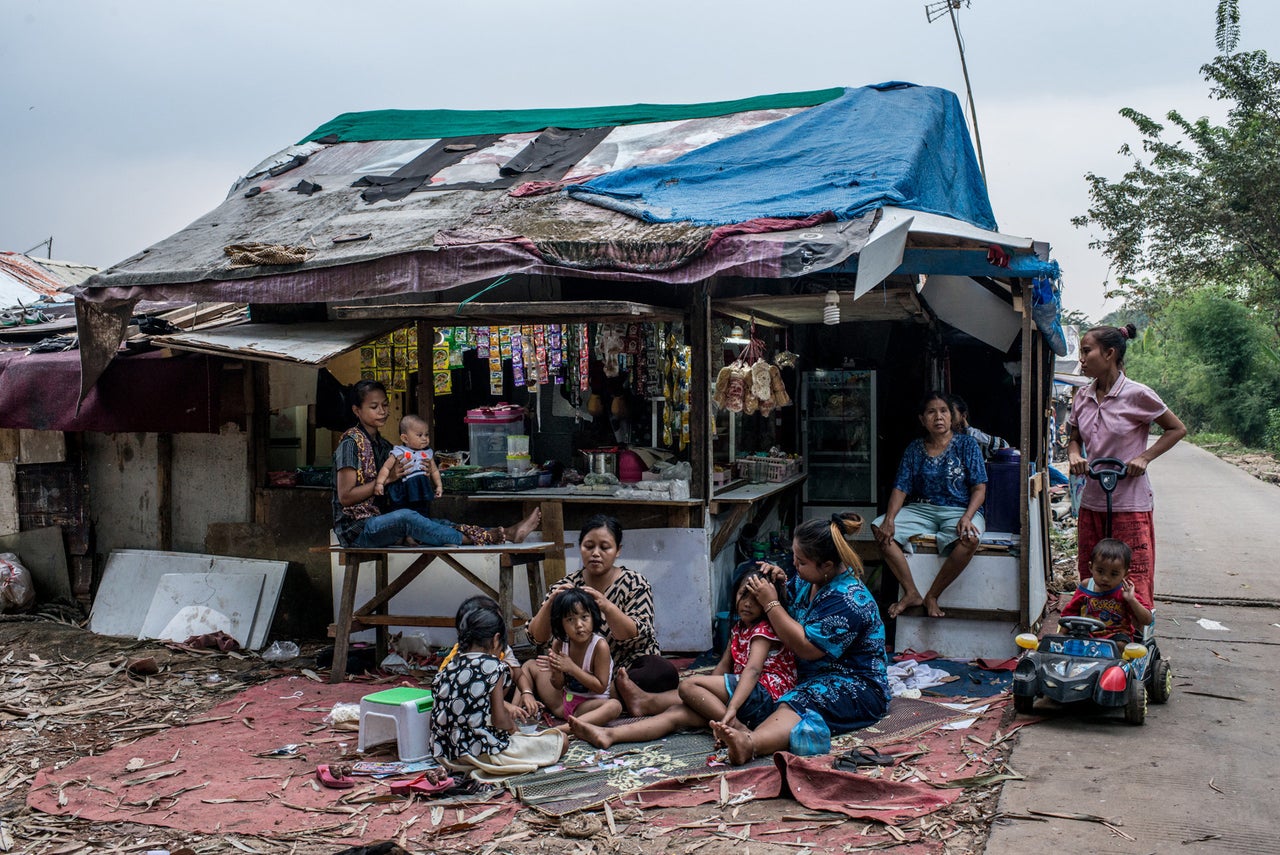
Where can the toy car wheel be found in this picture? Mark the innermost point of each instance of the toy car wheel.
(1135, 705)
(1024, 704)
(1161, 682)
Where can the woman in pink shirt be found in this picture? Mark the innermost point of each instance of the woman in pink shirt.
(1112, 417)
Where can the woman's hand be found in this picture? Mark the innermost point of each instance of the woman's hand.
(884, 532)
(763, 591)
(1137, 466)
(773, 571)
(602, 602)
(966, 529)
(1078, 464)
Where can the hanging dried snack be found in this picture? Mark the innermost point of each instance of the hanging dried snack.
(760, 380)
(720, 397)
(778, 388)
(750, 404)
(736, 396)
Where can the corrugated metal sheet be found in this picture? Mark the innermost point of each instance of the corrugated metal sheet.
(25, 279)
(306, 343)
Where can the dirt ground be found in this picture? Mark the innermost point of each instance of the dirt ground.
(1264, 467)
(44, 660)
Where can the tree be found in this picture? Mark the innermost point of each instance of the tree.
(1201, 205)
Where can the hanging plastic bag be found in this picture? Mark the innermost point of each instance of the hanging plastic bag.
(17, 593)
(810, 735)
(1046, 307)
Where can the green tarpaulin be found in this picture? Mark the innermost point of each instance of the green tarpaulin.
(440, 124)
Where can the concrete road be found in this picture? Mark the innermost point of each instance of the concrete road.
(1199, 776)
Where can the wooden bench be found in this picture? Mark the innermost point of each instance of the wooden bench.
(373, 614)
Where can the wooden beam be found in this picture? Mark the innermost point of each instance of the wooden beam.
(700, 438)
(485, 314)
(164, 491)
(1028, 399)
(426, 376)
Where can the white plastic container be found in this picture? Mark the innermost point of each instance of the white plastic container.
(489, 428)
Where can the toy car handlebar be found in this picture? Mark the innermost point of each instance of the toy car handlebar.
(1081, 625)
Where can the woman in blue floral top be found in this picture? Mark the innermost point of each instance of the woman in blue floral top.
(833, 626)
(945, 477)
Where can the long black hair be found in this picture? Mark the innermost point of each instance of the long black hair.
(822, 540)
(756, 574)
(478, 627)
(361, 390)
(566, 603)
(602, 521)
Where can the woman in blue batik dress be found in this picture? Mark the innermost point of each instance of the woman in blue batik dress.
(833, 626)
(945, 475)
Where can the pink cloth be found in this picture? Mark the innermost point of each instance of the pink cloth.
(1138, 530)
(1116, 426)
(778, 676)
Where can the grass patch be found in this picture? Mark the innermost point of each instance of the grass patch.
(1222, 443)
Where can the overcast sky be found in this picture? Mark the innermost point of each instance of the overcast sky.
(124, 121)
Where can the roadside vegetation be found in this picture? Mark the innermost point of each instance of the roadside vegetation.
(1193, 232)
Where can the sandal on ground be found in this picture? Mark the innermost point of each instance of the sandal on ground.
(334, 777)
(863, 756)
(421, 786)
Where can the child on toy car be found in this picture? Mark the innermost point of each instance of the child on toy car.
(1109, 595)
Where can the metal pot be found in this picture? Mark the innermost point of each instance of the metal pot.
(599, 461)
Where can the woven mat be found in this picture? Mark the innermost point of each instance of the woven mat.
(587, 776)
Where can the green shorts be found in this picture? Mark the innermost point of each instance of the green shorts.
(940, 521)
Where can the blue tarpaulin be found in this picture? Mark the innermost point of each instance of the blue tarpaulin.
(888, 144)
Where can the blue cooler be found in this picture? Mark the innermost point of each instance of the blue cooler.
(1003, 474)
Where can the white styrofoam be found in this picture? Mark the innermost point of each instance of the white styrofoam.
(187, 604)
(130, 579)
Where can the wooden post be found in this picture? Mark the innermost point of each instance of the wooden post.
(1028, 399)
(164, 490)
(700, 455)
(257, 407)
(426, 376)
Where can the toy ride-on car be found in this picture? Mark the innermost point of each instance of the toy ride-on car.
(1078, 667)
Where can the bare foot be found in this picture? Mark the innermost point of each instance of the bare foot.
(526, 526)
(908, 601)
(633, 697)
(931, 607)
(741, 748)
(598, 736)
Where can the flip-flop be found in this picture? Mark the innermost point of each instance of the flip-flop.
(421, 786)
(333, 777)
(864, 756)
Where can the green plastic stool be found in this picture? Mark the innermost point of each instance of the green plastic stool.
(402, 714)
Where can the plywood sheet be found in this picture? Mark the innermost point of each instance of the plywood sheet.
(43, 553)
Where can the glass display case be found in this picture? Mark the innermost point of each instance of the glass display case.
(838, 422)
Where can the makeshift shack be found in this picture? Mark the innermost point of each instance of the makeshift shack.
(597, 268)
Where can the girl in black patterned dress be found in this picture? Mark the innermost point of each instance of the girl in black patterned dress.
(474, 731)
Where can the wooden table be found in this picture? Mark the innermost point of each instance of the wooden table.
(745, 499)
(374, 613)
(678, 513)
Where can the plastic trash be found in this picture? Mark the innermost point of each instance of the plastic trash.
(810, 736)
(280, 651)
(16, 591)
(342, 712)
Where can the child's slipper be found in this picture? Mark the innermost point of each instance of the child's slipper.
(334, 777)
(421, 785)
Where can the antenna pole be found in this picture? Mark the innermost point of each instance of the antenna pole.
(973, 110)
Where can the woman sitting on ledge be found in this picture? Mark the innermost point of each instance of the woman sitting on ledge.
(358, 520)
(945, 470)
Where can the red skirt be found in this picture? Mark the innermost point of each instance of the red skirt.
(1135, 528)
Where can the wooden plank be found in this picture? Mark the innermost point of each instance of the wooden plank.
(553, 566)
(164, 491)
(380, 646)
(700, 435)
(1029, 400)
(10, 445)
(342, 634)
(387, 591)
(8, 498)
(485, 314)
(42, 446)
(426, 376)
(721, 538)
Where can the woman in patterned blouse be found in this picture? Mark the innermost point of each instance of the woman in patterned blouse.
(625, 599)
(945, 474)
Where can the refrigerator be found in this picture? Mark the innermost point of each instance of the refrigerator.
(838, 426)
